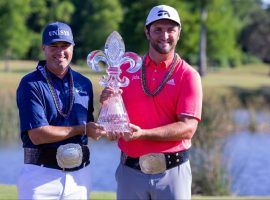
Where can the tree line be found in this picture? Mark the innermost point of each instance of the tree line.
(235, 31)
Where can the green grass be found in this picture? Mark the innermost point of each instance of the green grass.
(229, 198)
(9, 192)
(246, 77)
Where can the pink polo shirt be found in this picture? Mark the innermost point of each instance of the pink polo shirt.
(182, 94)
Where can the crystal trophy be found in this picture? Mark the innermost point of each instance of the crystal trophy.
(113, 115)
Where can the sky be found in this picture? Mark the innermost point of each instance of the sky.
(266, 1)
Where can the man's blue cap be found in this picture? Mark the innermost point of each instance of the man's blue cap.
(57, 32)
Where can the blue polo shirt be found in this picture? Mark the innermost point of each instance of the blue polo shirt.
(37, 108)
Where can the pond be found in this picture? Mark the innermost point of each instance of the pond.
(249, 163)
(247, 155)
(104, 160)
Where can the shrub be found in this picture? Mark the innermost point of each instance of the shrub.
(8, 117)
(209, 170)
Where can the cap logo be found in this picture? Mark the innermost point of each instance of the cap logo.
(59, 32)
(163, 12)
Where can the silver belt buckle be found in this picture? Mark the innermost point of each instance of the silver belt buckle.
(69, 156)
(153, 163)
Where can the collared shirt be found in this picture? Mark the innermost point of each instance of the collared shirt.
(182, 95)
(37, 107)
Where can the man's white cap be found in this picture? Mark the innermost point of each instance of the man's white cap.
(162, 12)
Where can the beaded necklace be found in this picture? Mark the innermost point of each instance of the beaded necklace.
(55, 97)
(166, 78)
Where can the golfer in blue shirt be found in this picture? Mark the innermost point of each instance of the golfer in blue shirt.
(56, 118)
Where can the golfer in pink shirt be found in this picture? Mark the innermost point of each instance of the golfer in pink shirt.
(164, 103)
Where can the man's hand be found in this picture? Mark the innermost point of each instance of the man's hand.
(95, 131)
(136, 133)
(106, 93)
(114, 136)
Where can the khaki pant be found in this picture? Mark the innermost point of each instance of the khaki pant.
(174, 183)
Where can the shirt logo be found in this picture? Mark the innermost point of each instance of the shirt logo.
(171, 82)
(135, 77)
(81, 92)
(163, 12)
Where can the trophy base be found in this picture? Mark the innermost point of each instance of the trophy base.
(113, 116)
(116, 128)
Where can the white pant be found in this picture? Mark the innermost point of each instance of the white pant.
(37, 182)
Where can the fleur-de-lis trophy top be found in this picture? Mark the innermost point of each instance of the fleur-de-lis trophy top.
(113, 116)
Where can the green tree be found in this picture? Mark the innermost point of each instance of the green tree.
(62, 11)
(203, 39)
(45, 11)
(132, 27)
(255, 36)
(92, 23)
(244, 9)
(14, 35)
(222, 32)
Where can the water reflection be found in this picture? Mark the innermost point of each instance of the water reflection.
(104, 160)
(249, 163)
(247, 155)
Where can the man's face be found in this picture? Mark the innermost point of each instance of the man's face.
(163, 35)
(58, 55)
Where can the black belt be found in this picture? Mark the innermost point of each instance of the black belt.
(172, 159)
(46, 157)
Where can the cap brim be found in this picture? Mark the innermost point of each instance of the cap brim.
(58, 40)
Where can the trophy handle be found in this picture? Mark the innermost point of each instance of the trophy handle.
(103, 81)
(135, 61)
(114, 81)
(95, 58)
(123, 82)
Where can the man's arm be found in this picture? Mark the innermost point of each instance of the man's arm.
(183, 129)
(50, 134)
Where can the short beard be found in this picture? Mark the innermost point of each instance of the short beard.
(162, 50)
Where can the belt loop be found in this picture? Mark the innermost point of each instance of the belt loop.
(123, 157)
(84, 128)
